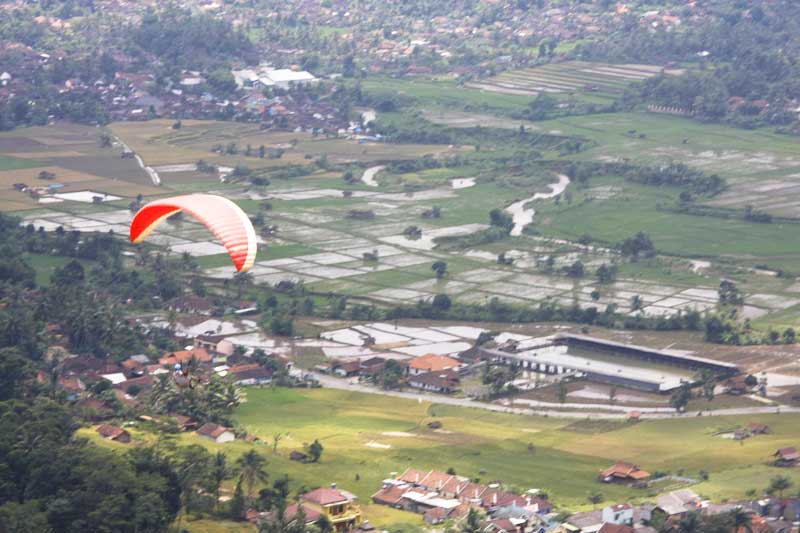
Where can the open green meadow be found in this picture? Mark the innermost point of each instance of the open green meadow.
(14, 163)
(369, 437)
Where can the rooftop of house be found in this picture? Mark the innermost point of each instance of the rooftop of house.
(789, 453)
(210, 429)
(412, 475)
(433, 363)
(436, 480)
(327, 496)
(608, 527)
(311, 515)
(441, 379)
(110, 432)
(184, 356)
(678, 501)
(390, 495)
(625, 470)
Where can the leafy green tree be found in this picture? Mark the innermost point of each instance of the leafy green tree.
(681, 396)
(391, 375)
(562, 392)
(729, 293)
(779, 484)
(440, 268)
(441, 302)
(17, 374)
(315, 450)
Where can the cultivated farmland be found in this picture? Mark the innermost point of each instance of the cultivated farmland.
(602, 80)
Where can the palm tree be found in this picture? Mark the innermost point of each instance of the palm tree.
(242, 280)
(741, 519)
(162, 393)
(188, 262)
(690, 523)
(251, 465)
(219, 471)
(473, 522)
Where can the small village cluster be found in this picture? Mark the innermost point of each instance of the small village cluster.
(441, 497)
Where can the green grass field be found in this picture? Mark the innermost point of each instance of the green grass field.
(562, 457)
(45, 265)
(635, 209)
(444, 93)
(494, 447)
(16, 163)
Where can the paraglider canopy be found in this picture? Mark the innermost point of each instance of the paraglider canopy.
(224, 218)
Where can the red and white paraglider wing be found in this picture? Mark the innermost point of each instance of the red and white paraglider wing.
(224, 218)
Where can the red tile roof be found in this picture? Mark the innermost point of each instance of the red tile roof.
(210, 429)
(184, 356)
(412, 476)
(503, 524)
(788, 454)
(311, 515)
(435, 480)
(389, 495)
(625, 471)
(325, 496)
(608, 527)
(433, 363)
(111, 432)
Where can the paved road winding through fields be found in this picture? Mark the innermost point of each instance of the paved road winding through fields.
(543, 408)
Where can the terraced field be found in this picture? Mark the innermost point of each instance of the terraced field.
(603, 80)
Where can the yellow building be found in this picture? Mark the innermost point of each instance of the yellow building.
(338, 506)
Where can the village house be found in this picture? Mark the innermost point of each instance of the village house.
(615, 528)
(311, 515)
(786, 457)
(109, 432)
(431, 363)
(184, 356)
(189, 303)
(186, 423)
(445, 382)
(134, 386)
(621, 513)
(338, 506)
(250, 374)
(215, 344)
(216, 433)
(346, 369)
(677, 503)
(135, 365)
(93, 409)
(737, 385)
(624, 473)
(372, 366)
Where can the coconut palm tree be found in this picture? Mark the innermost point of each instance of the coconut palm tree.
(251, 465)
(690, 523)
(219, 471)
(741, 520)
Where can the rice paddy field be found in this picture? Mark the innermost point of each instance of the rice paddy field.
(319, 243)
(602, 81)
